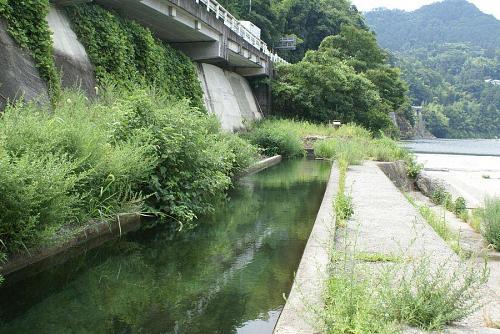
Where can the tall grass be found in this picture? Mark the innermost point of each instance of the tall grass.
(342, 203)
(125, 152)
(418, 293)
(430, 296)
(277, 137)
(490, 226)
(350, 142)
(356, 144)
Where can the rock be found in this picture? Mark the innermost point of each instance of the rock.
(428, 184)
(397, 173)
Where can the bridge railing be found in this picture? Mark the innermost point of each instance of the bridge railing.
(234, 24)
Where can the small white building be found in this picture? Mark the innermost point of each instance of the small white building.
(493, 82)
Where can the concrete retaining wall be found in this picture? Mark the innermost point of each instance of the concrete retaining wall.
(39, 259)
(19, 76)
(263, 164)
(228, 95)
(69, 54)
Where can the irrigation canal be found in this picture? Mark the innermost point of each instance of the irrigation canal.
(226, 276)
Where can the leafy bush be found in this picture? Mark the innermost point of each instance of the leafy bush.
(460, 206)
(439, 195)
(127, 152)
(413, 168)
(27, 24)
(491, 221)
(126, 54)
(64, 167)
(274, 139)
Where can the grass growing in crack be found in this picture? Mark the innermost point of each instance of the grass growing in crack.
(490, 226)
(378, 257)
(361, 299)
(440, 226)
(342, 202)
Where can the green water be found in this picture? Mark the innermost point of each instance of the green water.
(227, 276)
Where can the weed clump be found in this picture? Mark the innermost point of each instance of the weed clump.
(430, 298)
(342, 203)
(362, 299)
(490, 226)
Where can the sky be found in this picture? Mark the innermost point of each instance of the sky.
(487, 6)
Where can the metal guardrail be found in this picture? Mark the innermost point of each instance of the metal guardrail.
(230, 21)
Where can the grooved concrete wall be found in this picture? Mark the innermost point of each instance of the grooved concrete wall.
(19, 77)
(229, 96)
(69, 54)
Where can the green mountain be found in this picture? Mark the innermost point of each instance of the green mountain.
(449, 53)
(450, 21)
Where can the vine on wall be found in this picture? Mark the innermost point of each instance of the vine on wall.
(126, 54)
(27, 25)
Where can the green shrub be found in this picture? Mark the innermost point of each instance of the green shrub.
(491, 221)
(126, 54)
(439, 195)
(413, 168)
(126, 152)
(244, 153)
(27, 24)
(63, 167)
(460, 206)
(273, 139)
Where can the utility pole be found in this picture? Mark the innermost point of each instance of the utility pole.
(250, 7)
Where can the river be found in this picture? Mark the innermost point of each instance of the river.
(486, 147)
(226, 276)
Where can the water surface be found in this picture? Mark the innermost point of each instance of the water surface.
(227, 276)
(455, 146)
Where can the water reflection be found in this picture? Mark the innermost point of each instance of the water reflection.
(227, 276)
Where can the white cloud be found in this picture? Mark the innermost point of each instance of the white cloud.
(487, 6)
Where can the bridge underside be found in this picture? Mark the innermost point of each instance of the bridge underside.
(189, 27)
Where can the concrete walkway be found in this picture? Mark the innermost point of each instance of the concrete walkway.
(385, 222)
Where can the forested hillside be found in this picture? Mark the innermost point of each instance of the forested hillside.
(450, 21)
(338, 73)
(449, 55)
(310, 21)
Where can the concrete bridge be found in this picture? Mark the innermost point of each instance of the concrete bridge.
(226, 53)
(202, 29)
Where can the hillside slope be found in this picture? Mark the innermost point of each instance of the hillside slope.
(450, 21)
